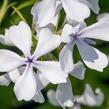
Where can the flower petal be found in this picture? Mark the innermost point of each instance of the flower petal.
(25, 86)
(66, 58)
(99, 97)
(21, 37)
(77, 106)
(7, 38)
(2, 39)
(14, 75)
(65, 36)
(92, 57)
(89, 41)
(9, 60)
(39, 97)
(64, 94)
(75, 23)
(93, 4)
(42, 15)
(5, 80)
(41, 81)
(51, 94)
(99, 30)
(103, 17)
(54, 21)
(78, 71)
(46, 42)
(52, 71)
(74, 10)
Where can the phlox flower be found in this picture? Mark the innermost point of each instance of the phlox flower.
(82, 37)
(21, 36)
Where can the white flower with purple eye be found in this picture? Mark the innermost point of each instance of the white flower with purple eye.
(92, 57)
(88, 98)
(21, 36)
(77, 10)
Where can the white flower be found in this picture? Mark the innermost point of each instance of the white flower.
(88, 98)
(25, 87)
(92, 57)
(77, 10)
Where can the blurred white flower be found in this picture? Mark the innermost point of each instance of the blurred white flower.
(77, 10)
(88, 98)
(21, 36)
(92, 57)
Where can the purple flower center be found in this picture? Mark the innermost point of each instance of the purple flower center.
(29, 60)
(74, 36)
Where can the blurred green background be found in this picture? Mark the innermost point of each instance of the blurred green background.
(16, 10)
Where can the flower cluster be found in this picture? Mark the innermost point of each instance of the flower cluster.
(31, 74)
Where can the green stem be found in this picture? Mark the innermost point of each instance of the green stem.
(3, 10)
(19, 14)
